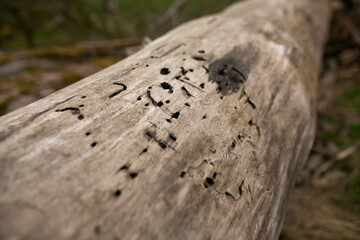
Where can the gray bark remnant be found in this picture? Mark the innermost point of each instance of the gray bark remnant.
(198, 136)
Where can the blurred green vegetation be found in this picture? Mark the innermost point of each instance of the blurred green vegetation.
(44, 23)
(342, 130)
(341, 126)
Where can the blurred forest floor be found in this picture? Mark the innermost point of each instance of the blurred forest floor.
(325, 203)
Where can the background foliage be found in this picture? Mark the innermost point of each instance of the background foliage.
(29, 23)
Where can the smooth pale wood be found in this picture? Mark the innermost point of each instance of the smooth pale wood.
(237, 151)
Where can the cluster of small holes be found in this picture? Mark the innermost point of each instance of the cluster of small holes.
(208, 181)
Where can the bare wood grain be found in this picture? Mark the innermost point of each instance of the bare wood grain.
(198, 136)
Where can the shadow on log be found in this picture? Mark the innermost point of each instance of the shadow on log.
(198, 136)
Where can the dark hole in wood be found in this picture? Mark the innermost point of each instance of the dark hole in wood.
(150, 134)
(198, 58)
(162, 145)
(164, 71)
(208, 182)
(206, 69)
(73, 110)
(240, 188)
(123, 168)
(183, 71)
(172, 137)
(117, 193)
(186, 91)
(176, 115)
(133, 175)
(251, 103)
(124, 87)
(229, 195)
(167, 86)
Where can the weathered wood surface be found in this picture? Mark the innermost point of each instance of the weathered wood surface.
(198, 136)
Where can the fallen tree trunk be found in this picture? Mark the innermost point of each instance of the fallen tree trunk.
(198, 136)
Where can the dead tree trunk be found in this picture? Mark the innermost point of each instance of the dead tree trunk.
(198, 136)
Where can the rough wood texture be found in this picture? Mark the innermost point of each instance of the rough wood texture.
(198, 136)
